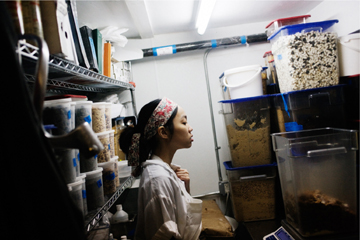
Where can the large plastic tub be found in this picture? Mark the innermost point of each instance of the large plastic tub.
(306, 56)
(309, 109)
(248, 129)
(252, 191)
(317, 171)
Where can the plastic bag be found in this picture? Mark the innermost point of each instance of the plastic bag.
(113, 34)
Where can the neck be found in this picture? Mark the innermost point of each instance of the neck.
(165, 153)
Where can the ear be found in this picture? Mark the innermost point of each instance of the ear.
(163, 133)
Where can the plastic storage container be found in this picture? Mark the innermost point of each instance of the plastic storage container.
(306, 56)
(278, 23)
(58, 113)
(124, 170)
(67, 163)
(75, 190)
(108, 176)
(108, 107)
(253, 191)
(317, 171)
(98, 117)
(248, 129)
(82, 178)
(349, 54)
(243, 82)
(83, 112)
(309, 109)
(88, 164)
(116, 162)
(104, 155)
(112, 143)
(94, 189)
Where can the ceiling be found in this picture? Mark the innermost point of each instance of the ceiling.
(146, 18)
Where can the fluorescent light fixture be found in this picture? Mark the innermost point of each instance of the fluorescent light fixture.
(206, 8)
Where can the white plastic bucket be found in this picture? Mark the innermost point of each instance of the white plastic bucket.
(244, 82)
(349, 54)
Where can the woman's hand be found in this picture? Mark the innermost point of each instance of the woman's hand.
(183, 174)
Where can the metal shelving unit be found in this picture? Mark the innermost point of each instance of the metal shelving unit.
(92, 219)
(65, 76)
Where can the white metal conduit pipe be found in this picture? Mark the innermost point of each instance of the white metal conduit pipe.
(208, 44)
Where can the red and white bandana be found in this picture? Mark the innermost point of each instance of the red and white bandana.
(159, 118)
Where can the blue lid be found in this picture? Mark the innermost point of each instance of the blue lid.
(292, 29)
(50, 126)
(229, 167)
(309, 90)
(264, 68)
(237, 100)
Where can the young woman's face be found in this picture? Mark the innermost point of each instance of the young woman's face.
(182, 136)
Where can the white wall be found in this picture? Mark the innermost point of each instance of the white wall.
(181, 77)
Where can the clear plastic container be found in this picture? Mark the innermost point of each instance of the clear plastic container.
(248, 129)
(112, 143)
(274, 25)
(109, 177)
(88, 164)
(306, 56)
(309, 109)
(98, 117)
(108, 116)
(72, 117)
(65, 159)
(104, 155)
(253, 191)
(116, 162)
(82, 178)
(75, 190)
(318, 176)
(58, 113)
(124, 170)
(94, 189)
(83, 113)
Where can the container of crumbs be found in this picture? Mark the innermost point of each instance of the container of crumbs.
(248, 130)
(306, 55)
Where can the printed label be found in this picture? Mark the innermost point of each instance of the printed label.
(279, 57)
(88, 119)
(99, 183)
(74, 161)
(110, 176)
(84, 194)
(69, 114)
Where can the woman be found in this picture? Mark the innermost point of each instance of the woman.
(165, 208)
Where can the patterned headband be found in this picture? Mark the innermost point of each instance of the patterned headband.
(159, 118)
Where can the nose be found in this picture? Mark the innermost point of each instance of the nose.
(190, 129)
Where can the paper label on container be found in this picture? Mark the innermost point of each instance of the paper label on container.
(74, 162)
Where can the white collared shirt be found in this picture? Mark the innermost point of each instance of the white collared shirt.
(164, 209)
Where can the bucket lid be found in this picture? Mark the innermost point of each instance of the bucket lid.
(70, 96)
(292, 29)
(237, 100)
(84, 103)
(287, 19)
(74, 184)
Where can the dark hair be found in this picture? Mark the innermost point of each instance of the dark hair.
(146, 146)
